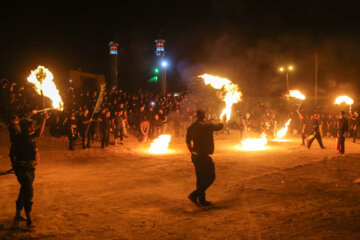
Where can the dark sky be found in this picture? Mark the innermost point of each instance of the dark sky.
(243, 40)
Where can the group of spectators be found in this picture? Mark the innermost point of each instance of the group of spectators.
(144, 114)
(147, 115)
(328, 124)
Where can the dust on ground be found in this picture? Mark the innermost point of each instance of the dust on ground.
(122, 192)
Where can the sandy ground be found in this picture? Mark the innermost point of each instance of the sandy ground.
(284, 192)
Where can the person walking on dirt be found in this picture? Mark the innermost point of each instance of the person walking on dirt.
(27, 157)
(343, 128)
(200, 142)
(356, 127)
(14, 130)
(316, 132)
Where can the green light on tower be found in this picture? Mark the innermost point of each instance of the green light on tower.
(153, 79)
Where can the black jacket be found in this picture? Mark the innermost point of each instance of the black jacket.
(201, 134)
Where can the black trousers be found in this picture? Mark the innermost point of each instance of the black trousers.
(83, 137)
(104, 137)
(205, 174)
(356, 133)
(119, 132)
(341, 143)
(318, 138)
(71, 141)
(26, 177)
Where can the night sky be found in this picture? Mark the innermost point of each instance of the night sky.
(245, 41)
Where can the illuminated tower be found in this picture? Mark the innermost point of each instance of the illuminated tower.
(160, 54)
(113, 64)
(160, 47)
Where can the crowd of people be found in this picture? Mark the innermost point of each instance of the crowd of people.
(112, 115)
(144, 114)
(147, 115)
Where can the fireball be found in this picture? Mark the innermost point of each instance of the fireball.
(254, 144)
(160, 145)
(229, 90)
(281, 133)
(297, 94)
(42, 79)
(344, 99)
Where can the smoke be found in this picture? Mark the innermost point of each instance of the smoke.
(254, 65)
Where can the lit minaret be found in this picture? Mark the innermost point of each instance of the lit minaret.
(113, 64)
(160, 54)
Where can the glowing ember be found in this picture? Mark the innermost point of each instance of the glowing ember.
(160, 145)
(254, 144)
(297, 94)
(344, 99)
(281, 133)
(42, 79)
(229, 90)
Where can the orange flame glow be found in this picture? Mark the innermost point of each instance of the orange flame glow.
(281, 133)
(160, 145)
(254, 144)
(344, 99)
(297, 94)
(230, 91)
(42, 79)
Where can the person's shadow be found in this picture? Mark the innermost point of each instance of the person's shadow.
(10, 229)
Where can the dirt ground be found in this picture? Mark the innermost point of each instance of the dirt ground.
(283, 192)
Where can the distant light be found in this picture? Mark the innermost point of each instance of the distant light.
(156, 70)
(70, 80)
(290, 67)
(281, 69)
(152, 103)
(164, 63)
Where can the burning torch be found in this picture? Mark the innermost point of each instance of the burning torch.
(42, 79)
(298, 95)
(229, 91)
(344, 99)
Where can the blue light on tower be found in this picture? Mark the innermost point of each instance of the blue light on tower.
(113, 80)
(160, 54)
(113, 48)
(160, 47)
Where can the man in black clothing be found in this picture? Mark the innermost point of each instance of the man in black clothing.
(200, 142)
(71, 130)
(342, 130)
(356, 125)
(14, 130)
(83, 128)
(27, 158)
(118, 126)
(316, 132)
(150, 116)
(105, 123)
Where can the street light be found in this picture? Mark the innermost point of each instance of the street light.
(287, 70)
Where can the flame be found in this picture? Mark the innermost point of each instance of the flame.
(231, 91)
(281, 133)
(344, 99)
(297, 94)
(160, 145)
(42, 79)
(254, 144)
